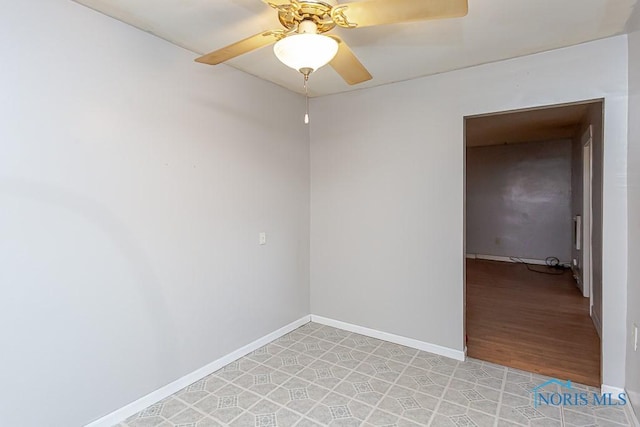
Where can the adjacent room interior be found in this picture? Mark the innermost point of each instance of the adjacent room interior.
(167, 226)
(528, 251)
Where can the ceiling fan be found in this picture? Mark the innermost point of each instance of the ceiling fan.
(303, 46)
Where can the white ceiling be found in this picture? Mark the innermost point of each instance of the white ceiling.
(493, 30)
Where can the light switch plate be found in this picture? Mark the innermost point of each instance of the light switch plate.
(262, 238)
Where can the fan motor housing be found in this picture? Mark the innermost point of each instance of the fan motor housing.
(314, 10)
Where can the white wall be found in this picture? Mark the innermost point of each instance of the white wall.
(577, 205)
(133, 185)
(633, 298)
(594, 119)
(387, 183)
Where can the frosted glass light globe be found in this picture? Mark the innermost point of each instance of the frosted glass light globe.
(300, 51)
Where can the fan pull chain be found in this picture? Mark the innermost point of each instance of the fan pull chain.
(306, 93)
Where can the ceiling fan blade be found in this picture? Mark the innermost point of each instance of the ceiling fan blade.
(380, 12)
(276, 3)
(347, 65)
(243, 46)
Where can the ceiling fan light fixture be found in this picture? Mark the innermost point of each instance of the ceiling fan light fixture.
(306, 51)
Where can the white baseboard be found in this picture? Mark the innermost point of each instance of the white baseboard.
(508, 259)
(632, 413)
(396, 339)
(615, 391)
(132, 408)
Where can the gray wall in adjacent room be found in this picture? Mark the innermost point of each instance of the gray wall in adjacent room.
(519, 200)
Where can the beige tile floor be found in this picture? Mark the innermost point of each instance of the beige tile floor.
(322, 376)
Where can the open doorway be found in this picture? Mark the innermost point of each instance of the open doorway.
(533, 239)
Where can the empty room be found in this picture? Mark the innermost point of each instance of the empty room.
(257, 213)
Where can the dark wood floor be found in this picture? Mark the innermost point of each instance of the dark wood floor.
(534, 322)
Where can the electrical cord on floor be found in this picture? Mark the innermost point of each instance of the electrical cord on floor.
(554, 267)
